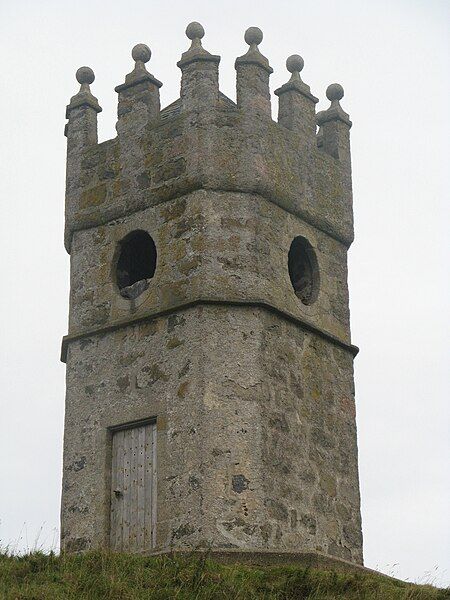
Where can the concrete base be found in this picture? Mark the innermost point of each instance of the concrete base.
(269, 558)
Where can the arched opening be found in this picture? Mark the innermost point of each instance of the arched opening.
(136, 263)
(303, 270)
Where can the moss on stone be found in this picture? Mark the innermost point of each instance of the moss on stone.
(93, 196)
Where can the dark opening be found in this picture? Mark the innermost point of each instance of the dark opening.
(303, 270)
(136, 264)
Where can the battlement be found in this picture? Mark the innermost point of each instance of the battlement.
(204, 140)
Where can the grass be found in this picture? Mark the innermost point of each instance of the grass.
(106, 576)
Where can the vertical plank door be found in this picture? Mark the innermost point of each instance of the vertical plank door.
(133, 488)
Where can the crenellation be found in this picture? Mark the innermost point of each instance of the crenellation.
(244, 156)
(159, 154)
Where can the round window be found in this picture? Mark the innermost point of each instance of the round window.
(303, 270)
(136, 263)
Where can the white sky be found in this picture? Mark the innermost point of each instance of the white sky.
(392, 59)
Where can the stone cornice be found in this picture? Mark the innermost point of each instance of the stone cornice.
(254, 58)
(139, 77)
(198, 55)
(83, 99)
(254, 303)
(297, 86)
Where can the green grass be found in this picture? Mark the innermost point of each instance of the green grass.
(101, 576)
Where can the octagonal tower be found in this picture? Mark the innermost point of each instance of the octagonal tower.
(210, 396)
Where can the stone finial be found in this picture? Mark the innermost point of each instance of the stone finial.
(195, 32)
(141, 54)
(85, 76)
(335, 93)
(296, 108)
(295, 64)
(139, 102)
(334, 123)
(253, 72)
(253, 37)
(81, 134)
(200, 72)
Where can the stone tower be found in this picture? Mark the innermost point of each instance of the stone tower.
(210, 396)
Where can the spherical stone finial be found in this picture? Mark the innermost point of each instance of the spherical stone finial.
(253, 35)
(85, 75)
(141, 52)
(335, 91)
(295, 63)
(195, 31)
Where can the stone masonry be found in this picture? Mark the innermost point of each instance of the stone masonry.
(237, 341)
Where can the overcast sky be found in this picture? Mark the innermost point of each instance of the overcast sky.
(392, 59)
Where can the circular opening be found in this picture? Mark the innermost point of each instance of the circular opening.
(136, 263)
(303, 270)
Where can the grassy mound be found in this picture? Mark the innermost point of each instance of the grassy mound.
(102, 576)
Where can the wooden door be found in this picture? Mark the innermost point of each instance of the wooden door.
(133, 488)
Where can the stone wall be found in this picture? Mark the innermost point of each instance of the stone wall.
(256, 432)
(210, 245)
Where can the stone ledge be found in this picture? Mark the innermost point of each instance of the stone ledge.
(206, 301)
